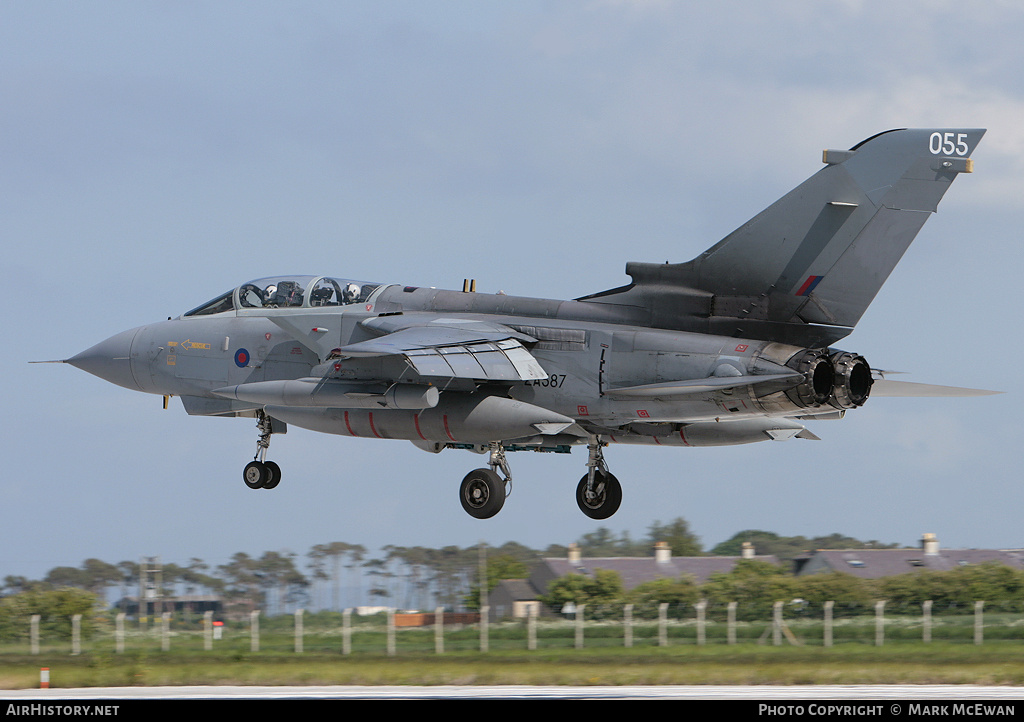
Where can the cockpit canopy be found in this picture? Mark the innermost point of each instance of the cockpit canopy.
(288, 292)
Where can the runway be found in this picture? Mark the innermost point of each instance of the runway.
(901, 693)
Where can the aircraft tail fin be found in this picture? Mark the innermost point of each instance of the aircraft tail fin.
(806, 268)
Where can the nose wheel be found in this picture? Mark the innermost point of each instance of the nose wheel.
(259, 473)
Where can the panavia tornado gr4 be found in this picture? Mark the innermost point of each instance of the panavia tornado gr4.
(733, 347)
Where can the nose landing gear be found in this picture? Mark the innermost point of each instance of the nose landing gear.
(259, 473)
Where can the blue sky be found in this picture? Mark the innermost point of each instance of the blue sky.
(153, 155)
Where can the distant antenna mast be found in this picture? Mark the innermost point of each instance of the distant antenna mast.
(150, 586)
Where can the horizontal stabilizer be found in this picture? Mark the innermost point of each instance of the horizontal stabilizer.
(712, 433)
(908, 389)
(695, 386)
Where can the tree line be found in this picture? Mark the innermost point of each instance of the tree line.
(339, 574)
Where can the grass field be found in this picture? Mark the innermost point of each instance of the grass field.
(898, 664)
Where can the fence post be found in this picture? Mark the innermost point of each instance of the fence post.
(879, 622)
(439, 630)
(298, 631)
(777, 624)
(33, 633)
(926, 633)
(531, 627)
(485, 613)
(627, 619)
(828, 623)
(207, 630)
(731, 622)
(346, 631)
(254, 630)
(391, 632)
(978, 622)
(579, 625)
(119, 632)
(663, 624)
(701, 606)
(76, 634)
(165, 631)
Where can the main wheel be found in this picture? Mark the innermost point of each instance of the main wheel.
(482, 493)
(603, 500)
(274, 477)
(256, 475)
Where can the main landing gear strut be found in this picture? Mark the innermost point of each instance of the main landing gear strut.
(259, 473)
(483, 491)
(598, 494)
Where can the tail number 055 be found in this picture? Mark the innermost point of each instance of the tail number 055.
(948, 143)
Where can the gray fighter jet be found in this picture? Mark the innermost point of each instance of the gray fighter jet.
(733, 347)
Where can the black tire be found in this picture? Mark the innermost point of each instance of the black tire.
(255, 474)
(482, 493)
(274, 476)
(606, 497)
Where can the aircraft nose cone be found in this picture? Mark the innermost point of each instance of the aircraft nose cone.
(110, 360)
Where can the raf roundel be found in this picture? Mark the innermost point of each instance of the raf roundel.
(241, 358)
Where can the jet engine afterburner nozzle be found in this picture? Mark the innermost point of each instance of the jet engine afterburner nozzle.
(819, 377)
(852, 380)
